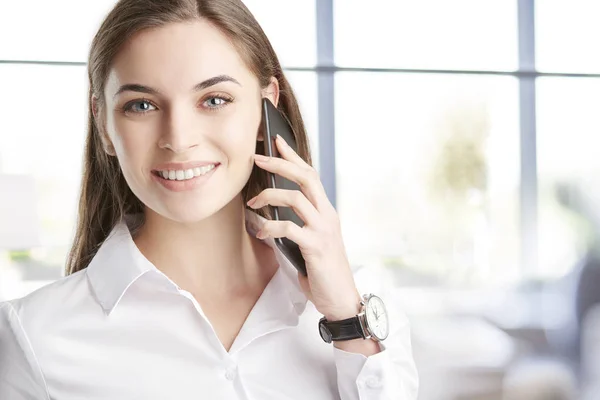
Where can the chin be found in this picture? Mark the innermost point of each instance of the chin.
(196, 205)
(190, 212)
(189, 215)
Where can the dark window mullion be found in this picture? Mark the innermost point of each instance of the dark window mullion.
(326, 97)
(528, 192)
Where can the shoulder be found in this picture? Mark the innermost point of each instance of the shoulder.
(27, 326)
(20, 373)
(12, 337)
(45, 306)
(52, 293)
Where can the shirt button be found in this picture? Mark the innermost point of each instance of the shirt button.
(374, 382)
(230, 373)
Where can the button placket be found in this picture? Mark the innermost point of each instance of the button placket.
(231, 373)
(374, 382)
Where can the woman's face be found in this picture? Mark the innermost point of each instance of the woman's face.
(182, 113)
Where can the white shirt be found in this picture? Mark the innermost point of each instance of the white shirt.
(120, 329)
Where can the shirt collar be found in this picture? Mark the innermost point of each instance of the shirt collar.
(119, 263)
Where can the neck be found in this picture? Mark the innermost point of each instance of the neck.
(213, 256)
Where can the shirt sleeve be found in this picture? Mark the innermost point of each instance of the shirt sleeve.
(389, 374)
(20, 374)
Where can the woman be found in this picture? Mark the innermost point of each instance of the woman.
(174, 287)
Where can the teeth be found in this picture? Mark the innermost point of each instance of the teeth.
(181, 175)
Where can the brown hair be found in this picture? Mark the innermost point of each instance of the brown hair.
(105, 197)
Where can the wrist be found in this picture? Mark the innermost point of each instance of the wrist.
(349, 309)
(366, 347)
(367, 319)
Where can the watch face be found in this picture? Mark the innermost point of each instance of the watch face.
(377, 318)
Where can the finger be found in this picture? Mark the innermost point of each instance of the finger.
(307, 178)
(282, 167)
(288, 229)
(288, 153)
(287, 198)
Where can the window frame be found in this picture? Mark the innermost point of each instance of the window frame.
(526, 74)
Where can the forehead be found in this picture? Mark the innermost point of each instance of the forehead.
(177, 56)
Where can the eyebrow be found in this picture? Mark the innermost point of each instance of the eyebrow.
(134, 87)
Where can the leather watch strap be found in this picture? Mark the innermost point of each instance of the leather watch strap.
(346, 329)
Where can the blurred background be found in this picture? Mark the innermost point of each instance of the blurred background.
(457, 139)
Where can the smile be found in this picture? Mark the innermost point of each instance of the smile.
(187, 174)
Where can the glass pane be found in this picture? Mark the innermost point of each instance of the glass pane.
(304, 85)
(569, 171)
(42, 134)
(428, 174)
(567, 36)
(52, 34)
(291, 28)
(60, 30)
(431, 34)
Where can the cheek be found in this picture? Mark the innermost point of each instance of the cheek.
(240, 137)
(133, 143)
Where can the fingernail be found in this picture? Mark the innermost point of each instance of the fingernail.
(261, 235)
(281, 139)
(260, 157)
(251, 201)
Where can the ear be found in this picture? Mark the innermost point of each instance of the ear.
(106, 142)
(272, 93)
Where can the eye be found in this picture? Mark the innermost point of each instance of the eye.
(217, 102)
(139, 107)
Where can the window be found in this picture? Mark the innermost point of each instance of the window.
(569, 170)
(427, 164)
(291, 27)
(430, 34)
(42, 134)
(60, 30)
(427, 173)
(567, 36)
(51, 33)
(304, 85)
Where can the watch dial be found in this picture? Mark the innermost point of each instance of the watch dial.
(377, 318)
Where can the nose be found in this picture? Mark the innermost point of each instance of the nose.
(180, 132)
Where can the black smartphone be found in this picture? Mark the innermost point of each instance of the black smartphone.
(274, 123)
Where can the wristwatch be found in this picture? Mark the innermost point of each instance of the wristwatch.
(370, 323)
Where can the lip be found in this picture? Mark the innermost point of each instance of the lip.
(182, 186)
(183, 166)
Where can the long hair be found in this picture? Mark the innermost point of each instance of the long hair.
(105, 197)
